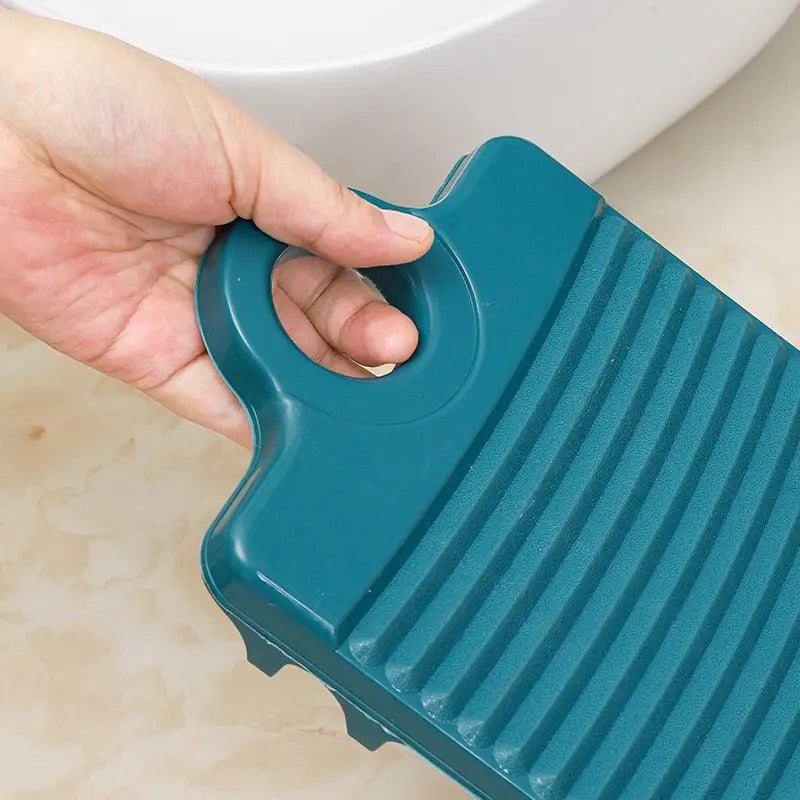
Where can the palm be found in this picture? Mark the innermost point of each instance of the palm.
(123, 302)
(109, 285)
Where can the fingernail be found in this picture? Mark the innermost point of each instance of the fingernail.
(406, 225)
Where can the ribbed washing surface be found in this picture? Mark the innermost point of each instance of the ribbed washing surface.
(608, 604)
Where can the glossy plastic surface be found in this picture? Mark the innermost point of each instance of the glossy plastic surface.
(557, 552)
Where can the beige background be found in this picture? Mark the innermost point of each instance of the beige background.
(119, 678)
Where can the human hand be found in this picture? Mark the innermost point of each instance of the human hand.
(115, 168)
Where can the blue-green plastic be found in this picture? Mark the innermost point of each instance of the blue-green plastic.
(557, 552)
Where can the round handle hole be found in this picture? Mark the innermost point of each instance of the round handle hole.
(340, 318)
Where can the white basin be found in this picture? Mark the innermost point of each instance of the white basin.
(387, 93)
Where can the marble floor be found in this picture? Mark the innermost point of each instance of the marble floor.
(119, 678)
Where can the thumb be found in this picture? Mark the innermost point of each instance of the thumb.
(140, 134)
(290, 197)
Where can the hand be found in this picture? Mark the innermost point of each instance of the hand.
(115, 168)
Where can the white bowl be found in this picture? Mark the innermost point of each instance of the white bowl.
(387, 93)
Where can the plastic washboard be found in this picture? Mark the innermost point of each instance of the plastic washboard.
(556, 552)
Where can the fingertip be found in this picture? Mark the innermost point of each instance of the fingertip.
(400, 340)
(385, 335)
(409, 227)
(374, 237)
